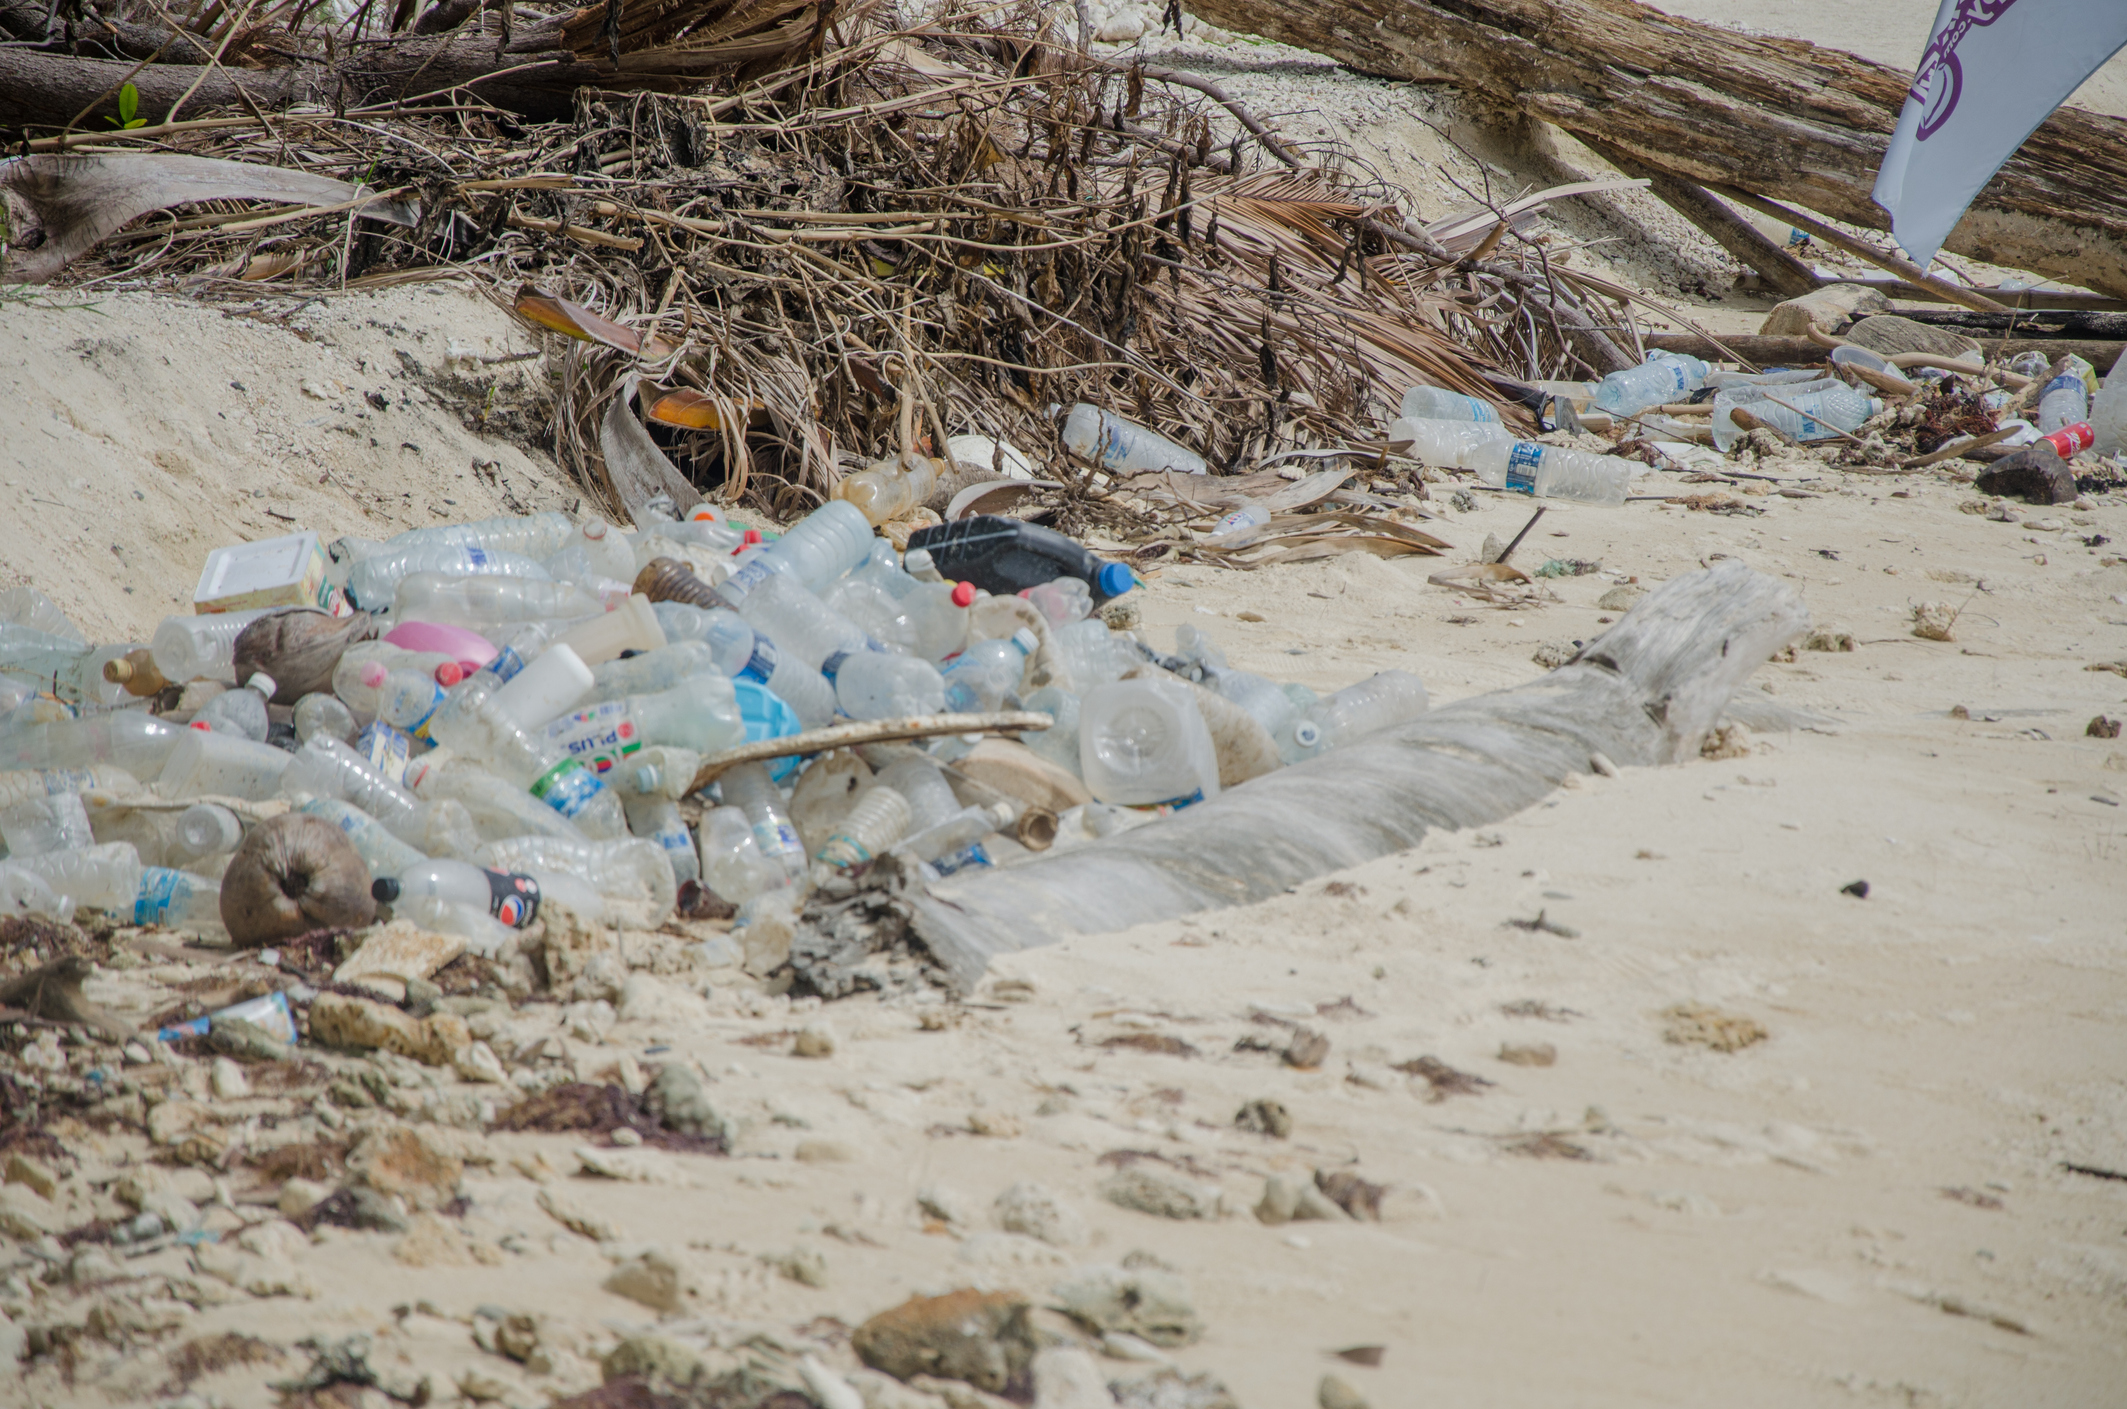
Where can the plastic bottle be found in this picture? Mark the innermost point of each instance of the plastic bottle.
(1089, 655)
(873, 599)
(879, 819)
(103, 877)
(1062, 601)
(732, 864)
(205, 764)
(497, 809)
(799, 622)
(26, 893)
(544, 690)
(1552, 472)
(748, 788)
(1446, 443)
(56, 821)
(1815, 410)
(744, 654)
(1059, 742)
(627, 868)
(1123, 447)
(937, 617)
(1239, 526)
(383, 853)
(823, 545)
(476, 729)
(135, 673)
(1422, 403)
(373, 581)
(323, 716)
(178, 900)
(1663, 378)
(1379, 702)
(701, 714)
(240, 712)
(1264, 701)
(983, 675)
(329, 768)
(657, 819)
(2064, 402)
(1142, 743)
(876, 685)
(538, 535)
(887, 489)
(949, 844)
(1004, 555)
(929, 796)
(921, 567)
(490, 604)
(207, 829)
(652, 671)
(601, 548)
(510, 898)
(405, 699)
(200, 647)
(129, 738)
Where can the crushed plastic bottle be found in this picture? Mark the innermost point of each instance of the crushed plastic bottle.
(732, 862)
(878, 685)
(879, 819)
(1123, 447)
(984, 675)
(627, 868)
(1663, 378)
(1062, 601)
(374, 580)
(326, 767)
(240, 712)
(1433, 403)
(1553, 472)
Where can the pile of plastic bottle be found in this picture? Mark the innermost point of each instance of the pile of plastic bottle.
(539, 694)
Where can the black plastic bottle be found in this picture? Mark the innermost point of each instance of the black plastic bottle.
(1006, 556)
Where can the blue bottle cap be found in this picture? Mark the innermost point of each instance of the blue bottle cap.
(1114, 579)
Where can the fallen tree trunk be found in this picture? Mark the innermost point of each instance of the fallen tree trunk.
(1777, 117)
(1801, 352)
(1644, 693)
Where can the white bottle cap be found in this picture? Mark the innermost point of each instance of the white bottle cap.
(263, 683)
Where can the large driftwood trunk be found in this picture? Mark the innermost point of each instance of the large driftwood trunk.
(1644, 693)
(1778, 117)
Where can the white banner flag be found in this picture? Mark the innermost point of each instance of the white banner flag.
(1992, 72)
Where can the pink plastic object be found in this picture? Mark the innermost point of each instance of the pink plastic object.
(469, 648)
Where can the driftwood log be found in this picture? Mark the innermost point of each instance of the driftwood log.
(1780, 118)
(1646, 692)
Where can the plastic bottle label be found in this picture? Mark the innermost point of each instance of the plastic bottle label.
(832, 666)
(761, 664)
(387, 749)
(598, 737)
(2066, 381)
(1521, 467)
(960, 860)
(512, 899)
(505, 665)
(158, 891)
(477, 557)
(735, 587)
(67, 780)
(568, 787)
(1481, 413)
(1172, 805)
(777, 839)
(419, 728)
(1680, 375)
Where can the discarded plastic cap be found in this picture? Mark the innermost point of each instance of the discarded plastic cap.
(1026, 640)
(1307, 733)
(384, 889)
(449, 673)
(646, 778)
(752, 535)
(963, 594)
(1115, 579)
(705, 513)
(373, 674)
(118, 671)
(595, 529)
(263, 683)
(202, 725)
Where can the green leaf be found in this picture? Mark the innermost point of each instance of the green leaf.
(129, 106)
(137, 122)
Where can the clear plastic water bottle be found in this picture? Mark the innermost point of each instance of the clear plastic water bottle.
(1815, 410)
(103, 877)
(373, 581)
(383, 853)
(981, 677)
(1264, 701)
(929, 796)
(177, 900)
(490, 604)
(625, 868)
(799, 622)
(56, 821)
(538, 535)
(206, 764)
(658, 819)
(732, 863)
(497, 809)
(1123, 447)
(509, 898)
(1552, 472)
(1663, 378)
(887, 489)
(328, 768)
(1089, 654)
(599, 548)
(2064, 402)
(207, 829)
(876, 685)
(744, 654)
(240, 712)
(701, 714)
(1431, 403)
(823, 546)
(479, 731)
(405, 699)
(1142, 743)
(359, 687)
(1062, 601)
(1445, 443)
(1059, 742)
(652, 671)
(323, 716)
(1379, 702)
(748, 788)
(129, 738)
(24, 893)
(1236, 528)
(200, 647)
(944, 839)
(879, 819)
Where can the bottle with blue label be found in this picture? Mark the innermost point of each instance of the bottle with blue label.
(1553, 472)
(745, 654)
(1663, 378)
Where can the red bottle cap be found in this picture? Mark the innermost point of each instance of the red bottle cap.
(963, 594)
(202, 725)
(751, 537)
(449, 673)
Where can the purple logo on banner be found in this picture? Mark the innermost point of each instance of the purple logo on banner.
(1940, 80)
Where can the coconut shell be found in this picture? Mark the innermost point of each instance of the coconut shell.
(294, 873)
(298, 649)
